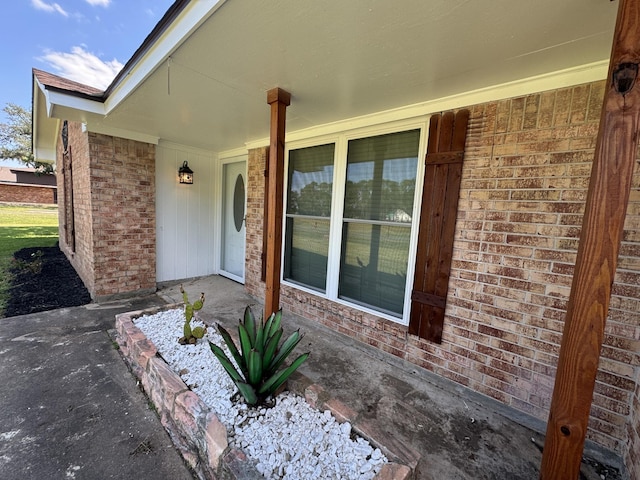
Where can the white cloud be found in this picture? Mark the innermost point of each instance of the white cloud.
(83, 66)
(101, 3)
(48, 7)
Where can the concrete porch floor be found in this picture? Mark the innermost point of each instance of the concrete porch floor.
(457, 433)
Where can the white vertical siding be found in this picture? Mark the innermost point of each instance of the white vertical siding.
(186, 215)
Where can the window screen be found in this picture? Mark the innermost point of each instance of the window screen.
(309, 197)
(379, 192)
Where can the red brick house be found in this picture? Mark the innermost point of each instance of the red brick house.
(24, 185)
(365, 80)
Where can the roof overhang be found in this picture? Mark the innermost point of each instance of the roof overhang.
(201, 77)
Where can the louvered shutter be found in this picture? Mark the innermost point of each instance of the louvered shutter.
(443, 171)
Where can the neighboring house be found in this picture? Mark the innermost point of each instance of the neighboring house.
(365, 79)
(24, 185)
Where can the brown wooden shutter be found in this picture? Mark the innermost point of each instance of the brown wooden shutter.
(69, 214)
(443, 171)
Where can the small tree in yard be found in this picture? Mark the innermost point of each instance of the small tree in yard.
(15, 138)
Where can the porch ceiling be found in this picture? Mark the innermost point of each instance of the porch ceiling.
(342, 59)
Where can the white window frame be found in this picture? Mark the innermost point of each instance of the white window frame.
(341, 141)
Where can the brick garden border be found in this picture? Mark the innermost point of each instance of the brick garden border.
(201, 438)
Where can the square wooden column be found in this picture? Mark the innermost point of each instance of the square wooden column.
(279, 100)
(602, 228)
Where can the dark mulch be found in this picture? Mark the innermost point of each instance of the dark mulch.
(43, 279)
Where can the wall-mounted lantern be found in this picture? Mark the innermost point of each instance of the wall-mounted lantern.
(185, 174)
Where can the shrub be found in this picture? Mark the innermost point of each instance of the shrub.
(259, 356)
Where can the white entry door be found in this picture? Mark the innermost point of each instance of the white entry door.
(233, 220)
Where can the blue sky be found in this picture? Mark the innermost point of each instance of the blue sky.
(84, 40)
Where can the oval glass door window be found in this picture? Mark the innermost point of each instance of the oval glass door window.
(238, 203)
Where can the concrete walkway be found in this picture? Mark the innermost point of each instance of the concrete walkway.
(70, 409)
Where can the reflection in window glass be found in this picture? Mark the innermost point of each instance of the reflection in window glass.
(373, 270)
(307, 246)
(307, 219)
(381, 176)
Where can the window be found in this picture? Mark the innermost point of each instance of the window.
(379, 191)
(350, 228)
(308, 215)
(369, 216)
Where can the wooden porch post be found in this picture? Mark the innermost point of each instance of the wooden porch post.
(279, 100)
(602, 229)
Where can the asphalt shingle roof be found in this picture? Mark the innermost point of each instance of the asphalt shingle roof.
(51, 81)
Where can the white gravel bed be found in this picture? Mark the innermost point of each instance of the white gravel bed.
(291, 440)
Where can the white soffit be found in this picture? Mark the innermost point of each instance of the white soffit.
(350, 60)
(189, 19)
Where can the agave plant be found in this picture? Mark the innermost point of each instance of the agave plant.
(191, 336)
(259, 356)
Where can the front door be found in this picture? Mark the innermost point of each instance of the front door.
(233, 220)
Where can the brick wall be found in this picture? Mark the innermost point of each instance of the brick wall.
(27, 194)
(524, 184)
(114, 213)
(632, 455)
(524, 187)
(81, 257)
(122, 176)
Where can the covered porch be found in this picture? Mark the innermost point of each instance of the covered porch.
(534, 103)
(443, 430)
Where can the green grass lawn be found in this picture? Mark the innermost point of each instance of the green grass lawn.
(21, 227)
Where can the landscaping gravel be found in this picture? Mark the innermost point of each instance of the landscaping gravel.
(290, 440)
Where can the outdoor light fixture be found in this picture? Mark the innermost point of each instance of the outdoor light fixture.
(185, 174)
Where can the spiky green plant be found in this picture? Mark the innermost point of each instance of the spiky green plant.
(259, 356)
(191, 336)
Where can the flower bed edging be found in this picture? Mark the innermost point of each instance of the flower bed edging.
(401, 457)
(196, 431)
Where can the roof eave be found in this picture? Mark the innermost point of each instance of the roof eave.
(43, 150)
(49, 105)
(182, 19)
(167, 19)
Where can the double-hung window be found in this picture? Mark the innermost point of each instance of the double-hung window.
(368, 218)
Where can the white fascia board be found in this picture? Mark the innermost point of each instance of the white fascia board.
(60, 99)
(121, 133)
(189, 20)
(53, 99)
(37, 88)
(35, 108)
(43, 139)
(561, 79)
(45, 155)
(45, 94)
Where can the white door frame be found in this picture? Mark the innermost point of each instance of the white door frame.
(225, 220)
